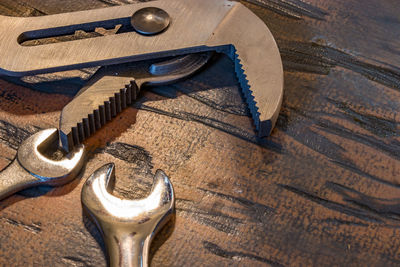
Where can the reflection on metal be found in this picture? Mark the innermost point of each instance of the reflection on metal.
(196, 26)
(127, 226)
(150, 20)
(31, 167)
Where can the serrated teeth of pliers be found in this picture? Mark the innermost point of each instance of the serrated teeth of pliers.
(105, 112)
(98, 103)
(246, 89)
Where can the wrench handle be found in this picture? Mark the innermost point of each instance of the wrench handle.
(15, 178)
(128, 250)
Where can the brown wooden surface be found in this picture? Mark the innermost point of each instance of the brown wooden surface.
(323, 190)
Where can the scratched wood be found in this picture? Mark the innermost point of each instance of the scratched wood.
(323, 190)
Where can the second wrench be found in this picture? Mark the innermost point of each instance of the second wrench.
(31, 167)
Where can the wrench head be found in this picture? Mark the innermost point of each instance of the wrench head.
(128, 226)
(107, 208)
(52, 172)
(258, 64)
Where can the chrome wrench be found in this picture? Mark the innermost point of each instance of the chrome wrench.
(32, 167)
(127, 226)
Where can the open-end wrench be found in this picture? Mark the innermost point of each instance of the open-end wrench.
(32, 167)
(127, 226)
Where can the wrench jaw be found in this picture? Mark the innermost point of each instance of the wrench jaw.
(31, 168)
(258, 64)
(48, 171)
(127, 226)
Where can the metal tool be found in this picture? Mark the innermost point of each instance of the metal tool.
(113, 88)
(127, 226)
(32, 167)
(156, 29)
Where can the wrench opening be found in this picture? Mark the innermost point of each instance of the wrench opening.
(54, 172)
(31, 168)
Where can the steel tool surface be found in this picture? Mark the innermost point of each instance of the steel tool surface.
(193, 26)
(113, 88)
(32, 167)
(127, 226)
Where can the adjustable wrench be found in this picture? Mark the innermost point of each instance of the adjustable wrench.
(127, 226)
(187, 26)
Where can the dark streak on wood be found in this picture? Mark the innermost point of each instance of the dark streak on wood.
(335, 221)
(12, 135)
(255, 211)
(32, 228)
(335, 152)
(236, 255)
(217, 220)
(358, 213)
(378, 126)
(387, 208)
(319, 59)
(390, 148)
(294, 9)
(350, 165)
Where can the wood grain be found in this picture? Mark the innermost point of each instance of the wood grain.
(323, 190)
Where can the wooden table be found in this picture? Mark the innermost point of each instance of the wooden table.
(323, 190)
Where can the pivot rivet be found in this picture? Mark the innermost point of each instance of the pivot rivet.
(150, 20)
